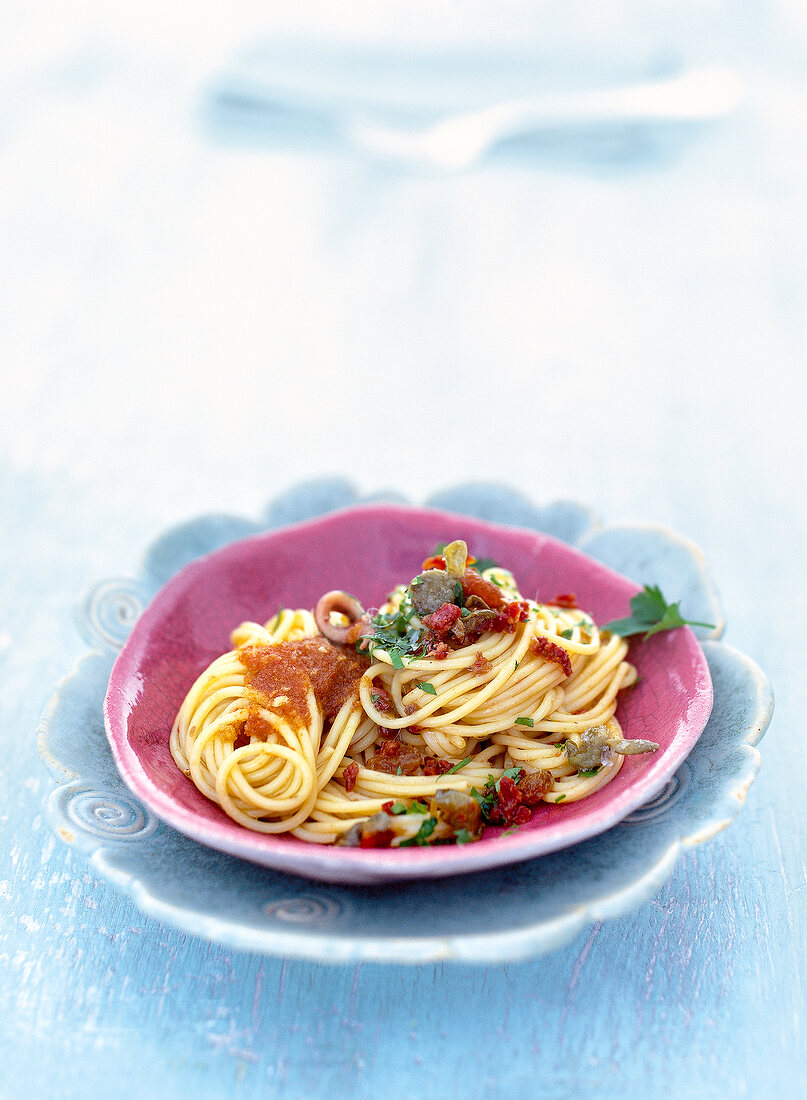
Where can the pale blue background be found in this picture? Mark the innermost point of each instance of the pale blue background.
(191, 325)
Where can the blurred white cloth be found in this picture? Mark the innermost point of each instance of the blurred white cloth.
(202, 316)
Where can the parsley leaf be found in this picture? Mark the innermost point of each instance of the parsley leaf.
(651, 614)
(430, 689)
(457, 767)
(524, 722)
(485, 798)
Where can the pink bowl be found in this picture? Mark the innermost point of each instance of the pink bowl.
(367, 550)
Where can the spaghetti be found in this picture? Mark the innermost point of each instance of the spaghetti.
(458, 704)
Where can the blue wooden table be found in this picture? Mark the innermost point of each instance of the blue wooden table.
(195, 326)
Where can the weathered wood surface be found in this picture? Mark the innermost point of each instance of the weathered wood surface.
(185, 324)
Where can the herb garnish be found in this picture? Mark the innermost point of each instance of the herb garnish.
(421, 837)
(457, 767)
(393, 633)
(524, 722)
(430, 689)
(651, 614)
(415, 807)
(487, 798)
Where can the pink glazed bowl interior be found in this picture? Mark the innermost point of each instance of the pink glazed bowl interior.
(367, 550)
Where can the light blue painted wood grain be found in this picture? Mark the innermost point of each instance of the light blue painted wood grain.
(705, 982)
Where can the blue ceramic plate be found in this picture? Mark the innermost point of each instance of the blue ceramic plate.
(526, 908)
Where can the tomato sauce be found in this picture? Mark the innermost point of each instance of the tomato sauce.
(281, 676)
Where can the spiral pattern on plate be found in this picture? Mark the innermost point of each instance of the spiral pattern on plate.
(109, 611)
(305, 909)
(111, 817)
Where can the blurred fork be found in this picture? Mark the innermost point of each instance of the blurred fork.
(459, 141)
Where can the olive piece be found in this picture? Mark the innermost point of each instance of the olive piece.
(478, 621)
(430, 590)
(594, 750)
(476, 603)
(458, 810)
(634, 746)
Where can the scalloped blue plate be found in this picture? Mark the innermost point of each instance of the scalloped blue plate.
(527, 908)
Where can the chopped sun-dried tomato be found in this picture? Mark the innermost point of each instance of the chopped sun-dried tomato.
(382, 839)
(382, 700)
(433, 765)
(443, 618)
(393, 755)
(350, 775)
(565, 599)
(551, 651)
(509, 616)
(509, 808)
(481, 664)
(533, 785)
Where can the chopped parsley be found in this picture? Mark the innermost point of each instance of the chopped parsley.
(415, 807)
(457, 767)
(421, 837)
(525, 722)
(430, 689)
(394, 634)
(651, 614)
